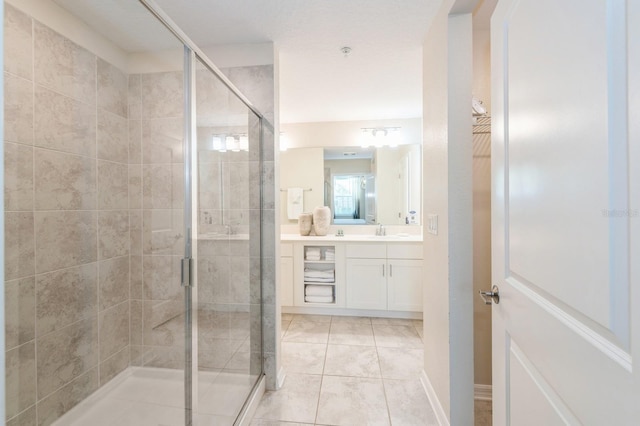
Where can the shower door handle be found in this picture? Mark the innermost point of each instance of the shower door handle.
(186, 267)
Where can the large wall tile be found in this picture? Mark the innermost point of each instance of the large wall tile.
(63, 66)
(66, 354)
(26, 418)
(135, 232)
(177, 186)
(113, 137)
(113, 185)
(163, 232)
(112, 89)
(18, 177)
(66, 296)
(18, 42)
(162, 140)
(210, 186)
(163, 323)
(18, 109)
(113, 233)
(135, 97)
(64, 124)
(64, 181)
(156, 186)
(135, 186)
(19, 311)
(65, 239)
(20, 376)
(213, 279)
(236, 185)
(135, 326)
(161, 277)
(114, 281)
(135, 269)
(19, 245)
(135, 142)
(54, 406)
(114, 330)
(114, 365)
(256, 83)
(162, 95)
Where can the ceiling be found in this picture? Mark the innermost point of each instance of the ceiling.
(380, 79)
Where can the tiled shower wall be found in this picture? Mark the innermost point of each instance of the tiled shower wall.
(67, 221)
(93, 199)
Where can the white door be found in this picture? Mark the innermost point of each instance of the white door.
(566, 224)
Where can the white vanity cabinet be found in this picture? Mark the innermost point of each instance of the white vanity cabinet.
(384, 276)
(286, 274)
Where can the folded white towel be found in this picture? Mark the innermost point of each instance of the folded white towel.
(318, 290)
(319, 299)
(312, 273)
(295, 203)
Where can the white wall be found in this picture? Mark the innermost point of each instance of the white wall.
(448, 321)
(302, 168)
(345, 133)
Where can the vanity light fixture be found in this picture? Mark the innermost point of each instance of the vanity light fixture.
(230, 142)
(284, 141)
(380, 136)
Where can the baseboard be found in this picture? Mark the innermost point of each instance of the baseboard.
(252, 405)
(441, 416)
(482, 392)
(280, 379)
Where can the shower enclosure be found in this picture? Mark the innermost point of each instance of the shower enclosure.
(133, 176)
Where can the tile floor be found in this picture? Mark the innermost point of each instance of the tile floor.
(348, 371)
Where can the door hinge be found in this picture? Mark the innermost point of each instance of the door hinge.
(186, 267)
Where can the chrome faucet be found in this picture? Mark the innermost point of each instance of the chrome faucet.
(380, 231)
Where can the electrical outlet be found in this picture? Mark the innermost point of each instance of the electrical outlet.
(432, 224)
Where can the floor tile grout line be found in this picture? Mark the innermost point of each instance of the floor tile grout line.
(324, 364)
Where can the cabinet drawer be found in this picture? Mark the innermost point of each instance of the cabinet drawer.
(404, 251)
(286, 249)
(367, 251)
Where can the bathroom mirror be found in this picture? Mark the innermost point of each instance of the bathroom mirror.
(361, 185)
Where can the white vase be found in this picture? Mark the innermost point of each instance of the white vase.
(304, 222)
(321, 220)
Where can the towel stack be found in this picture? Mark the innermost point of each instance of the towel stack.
(318, 294)
(313, 253)
(317, 276)
(330, 255)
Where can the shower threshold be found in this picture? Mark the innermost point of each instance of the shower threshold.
(145, 396)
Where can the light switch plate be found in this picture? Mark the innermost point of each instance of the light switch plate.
(432, 224)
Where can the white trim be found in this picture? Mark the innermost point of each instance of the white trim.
(280, 379)
(252, 405)
(441, 416)
(313, 310)
(482, 392)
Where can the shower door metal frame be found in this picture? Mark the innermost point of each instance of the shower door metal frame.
(188, 276)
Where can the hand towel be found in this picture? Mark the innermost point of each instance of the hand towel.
(295, 197)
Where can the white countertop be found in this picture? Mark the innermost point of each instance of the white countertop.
(396, 238)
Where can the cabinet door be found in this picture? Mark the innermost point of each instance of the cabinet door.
(366, 284)
(286, 281)
(404, 285)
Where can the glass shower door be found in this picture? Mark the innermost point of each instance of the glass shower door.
(228, 292)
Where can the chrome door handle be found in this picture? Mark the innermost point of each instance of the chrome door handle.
(492, 296)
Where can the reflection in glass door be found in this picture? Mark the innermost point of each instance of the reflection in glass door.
(228, 290)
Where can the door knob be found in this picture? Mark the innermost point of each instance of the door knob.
(492, 296)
